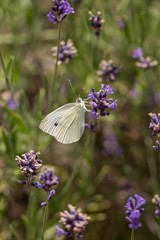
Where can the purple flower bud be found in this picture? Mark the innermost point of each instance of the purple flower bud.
(43, 204)
(51, 194)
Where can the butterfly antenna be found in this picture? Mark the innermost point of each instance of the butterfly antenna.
(72, 88)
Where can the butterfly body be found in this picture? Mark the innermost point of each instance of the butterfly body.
(66, 123)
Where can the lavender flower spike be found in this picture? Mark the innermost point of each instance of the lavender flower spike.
(102, 105)
(29, 163)
(156, 202)
(156, 147)
(134, 210)
(155, 123)
(108, 71)
(60, 9)
(74, 221)
(96, 22)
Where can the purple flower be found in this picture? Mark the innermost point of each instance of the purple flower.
(108, 71)
(29, 163)
(134, 210)
(67, 51)
(96, 22)
(60, 9)
(156, 202)
(101, 103)
(111, 146)
(138, 54)
(47, 180)
(155, 123)
(157, 146)
(143, 62)
(74, 221)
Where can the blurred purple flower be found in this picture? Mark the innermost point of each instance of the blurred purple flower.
(67, 51)
(101, 103)
(156, 147)
(121, 24)
(111, 146)
(11, 101)
(96, 22)
(29, 163)
(138, 54)
(144, 63)
(60, 9)
(74, 221)
(134, 210)
(108, 71)
(156, 202)
(155, 123)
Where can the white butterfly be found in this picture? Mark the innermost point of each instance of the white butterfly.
(66, 123)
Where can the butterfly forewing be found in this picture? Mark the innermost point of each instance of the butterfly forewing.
(66, 123)
(51, 121)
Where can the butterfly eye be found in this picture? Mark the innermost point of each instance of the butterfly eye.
(56, 124)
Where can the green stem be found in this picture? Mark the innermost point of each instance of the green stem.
(132, 234)
(45, 213)
(5, 72)
(28, 234)
(54, 87)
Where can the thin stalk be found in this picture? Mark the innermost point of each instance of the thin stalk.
(28, 234)
(45, 214)
(54, 87)
(5, 72)
(132, 234)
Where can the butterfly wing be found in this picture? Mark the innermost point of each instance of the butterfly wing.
(71, 126)
(50, 122)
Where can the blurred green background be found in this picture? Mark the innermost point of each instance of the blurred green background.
(99, 172)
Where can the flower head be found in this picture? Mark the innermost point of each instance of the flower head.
(47, 180)
(156, 202)
(96, 22)
(74, 221)
(108, 71)
(101, 103)
(155, 123)
(67, 51)
(60, 9)
(29, 163)
(134, 210)
(143, 62)
(156, 147)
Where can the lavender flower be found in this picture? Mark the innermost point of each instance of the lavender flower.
(111, 146)
(138, 54)
(144, 63)
(47, 180)
(156, 202)
(74, 221)
(157, 146)
(134, 210)
(101, 103)
(60, 9)
(67, 51)
(11, 101)
(96, 22)
(29, 163)
(155, 123)
(108, 71)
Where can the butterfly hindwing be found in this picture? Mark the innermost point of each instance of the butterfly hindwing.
(71, 126)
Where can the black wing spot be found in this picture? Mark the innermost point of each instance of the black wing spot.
(56, 124)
